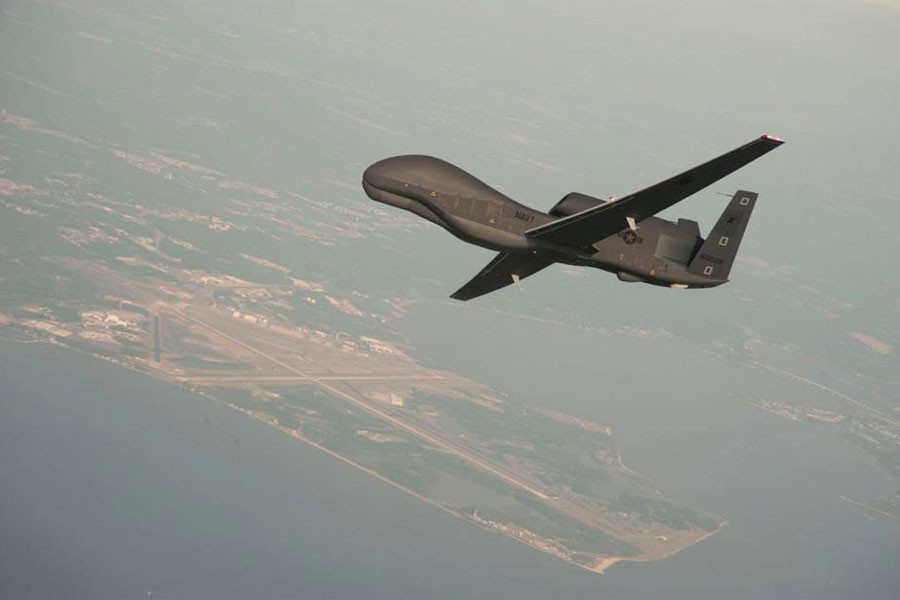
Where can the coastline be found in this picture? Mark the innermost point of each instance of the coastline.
(599, 566)
(604, 563)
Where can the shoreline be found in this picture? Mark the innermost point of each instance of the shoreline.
(600, 566)
(603, 564)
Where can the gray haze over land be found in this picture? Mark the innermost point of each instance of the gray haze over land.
(761, 401)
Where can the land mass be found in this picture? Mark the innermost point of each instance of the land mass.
(550, 480)
(239, 291)
(224, 287)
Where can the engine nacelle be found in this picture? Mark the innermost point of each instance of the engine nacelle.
(574, 203)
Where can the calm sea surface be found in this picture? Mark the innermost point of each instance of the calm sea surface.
(678, 420)
(116, 485)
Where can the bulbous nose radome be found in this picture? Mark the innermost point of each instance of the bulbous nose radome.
(412, 175)
(379, 177)
(410, 169)
(382, 176)
(377, 172)
(391, 177)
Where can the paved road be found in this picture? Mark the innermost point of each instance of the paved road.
(441, 442)
(305, 378)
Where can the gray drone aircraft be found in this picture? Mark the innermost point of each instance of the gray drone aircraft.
(619, 235)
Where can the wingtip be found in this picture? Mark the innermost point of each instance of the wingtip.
(771, 138)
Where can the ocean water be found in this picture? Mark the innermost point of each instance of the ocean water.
(115, 485)
(779, 483)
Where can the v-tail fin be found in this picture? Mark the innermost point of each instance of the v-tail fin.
(717, 254)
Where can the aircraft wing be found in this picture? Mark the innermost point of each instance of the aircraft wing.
(596, 223)
(506, 268)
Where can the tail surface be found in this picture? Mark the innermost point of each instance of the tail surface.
(717, 254)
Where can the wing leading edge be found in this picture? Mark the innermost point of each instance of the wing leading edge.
(594, 224)
(506, 268)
